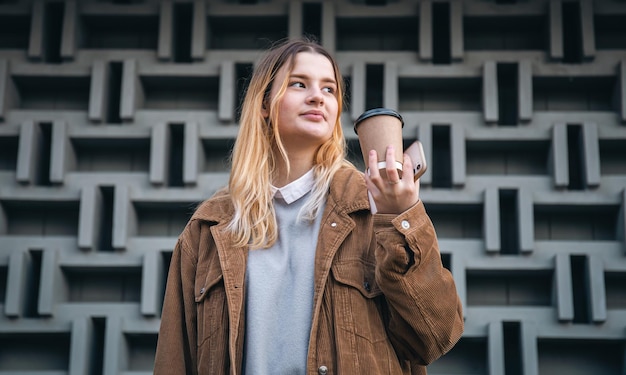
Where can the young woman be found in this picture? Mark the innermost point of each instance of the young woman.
(287, 271)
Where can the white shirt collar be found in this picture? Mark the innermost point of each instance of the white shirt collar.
(295, 189)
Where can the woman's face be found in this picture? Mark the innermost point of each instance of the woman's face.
(309, 106)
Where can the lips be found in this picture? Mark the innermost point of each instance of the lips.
(314, 115)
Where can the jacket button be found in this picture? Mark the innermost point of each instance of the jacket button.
(405, 224)
(202, 291)
(322, 370)
(367, 287)
(333, 225)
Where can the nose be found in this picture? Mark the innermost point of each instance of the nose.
(315, 96)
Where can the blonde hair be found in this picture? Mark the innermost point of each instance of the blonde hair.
(258, 147)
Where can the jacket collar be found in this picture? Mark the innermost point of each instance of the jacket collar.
(347, 191)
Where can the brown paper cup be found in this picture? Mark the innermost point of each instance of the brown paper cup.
(378, 128)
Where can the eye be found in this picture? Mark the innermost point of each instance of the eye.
(329, 89)
(296, 84)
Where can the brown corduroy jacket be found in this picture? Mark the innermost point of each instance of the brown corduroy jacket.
(383, 302)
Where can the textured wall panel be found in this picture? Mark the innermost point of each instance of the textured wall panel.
(117, 119)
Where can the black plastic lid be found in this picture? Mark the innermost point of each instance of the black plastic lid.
(376, 112)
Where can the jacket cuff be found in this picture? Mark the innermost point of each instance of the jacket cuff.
(399, 235)
(404, 223)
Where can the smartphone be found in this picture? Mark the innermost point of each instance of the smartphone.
(416, 153)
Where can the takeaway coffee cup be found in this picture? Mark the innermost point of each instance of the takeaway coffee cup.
(378, 128)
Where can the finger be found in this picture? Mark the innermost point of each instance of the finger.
(407, 168)
(373, 165)
(371, 186)
(373, 179)
(392, 171)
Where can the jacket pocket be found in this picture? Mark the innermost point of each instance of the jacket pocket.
(359, 275)
(360, 327)
(358, 300)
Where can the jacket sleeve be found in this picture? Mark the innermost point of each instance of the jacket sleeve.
(175, 352)
(426, 317)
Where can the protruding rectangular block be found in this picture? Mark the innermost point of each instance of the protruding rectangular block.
(456, 30)
(124, 217)
(591, 154)
(530, 358)
(132, 90)
(4, 224)
(526, 220)
(458, 155)
(81, 344)
(525, 90)
(8, 94)
(90, 216)
(115, 357)
(563, 288)
(70, 28)
(357, 82)
(559, 159)
(621, 87)
(35, 43)
(495, 351)
(491, 217)
(198, 31)
(159, 154)
(588, 29)
(227, 93)
(99, 87)
(62, 155)
(151, 284)
(490, 92)
(390, 84)
(166, 19)
(193, 159)
(28, 152)
(621, 220)
(426, 30)
(556, 30)
(17, 277)
(51, 283)
(597, 290)
(328, 28)
(295, 24)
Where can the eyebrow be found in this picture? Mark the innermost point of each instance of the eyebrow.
(306, 77)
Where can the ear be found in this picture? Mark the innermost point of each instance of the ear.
(264, 111)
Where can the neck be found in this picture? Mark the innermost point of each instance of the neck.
(299, 165)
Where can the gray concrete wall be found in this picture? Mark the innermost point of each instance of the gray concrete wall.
(116, 119)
